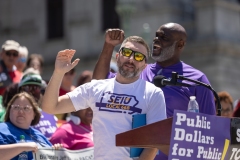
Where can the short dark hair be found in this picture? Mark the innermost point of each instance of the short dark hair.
(139, 40)
(32, 101)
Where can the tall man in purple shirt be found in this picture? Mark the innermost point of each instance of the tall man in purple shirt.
(168, 44)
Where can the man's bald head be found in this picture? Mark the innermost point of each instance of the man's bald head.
(168, 44)
(176, 28)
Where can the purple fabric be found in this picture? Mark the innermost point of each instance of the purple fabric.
(178, 97)
(47, 124)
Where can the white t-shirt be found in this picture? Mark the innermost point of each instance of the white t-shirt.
(113, 105)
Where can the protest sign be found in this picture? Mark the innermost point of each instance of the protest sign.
(47, 124)
(234, 147)
(63, 154)
(199, 136)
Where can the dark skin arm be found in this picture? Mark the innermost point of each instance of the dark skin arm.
(113, 37)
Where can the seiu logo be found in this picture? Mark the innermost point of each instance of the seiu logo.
(116, 99)
(121, 103)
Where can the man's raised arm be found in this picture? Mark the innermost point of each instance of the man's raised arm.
(113, 37)
(51, 102)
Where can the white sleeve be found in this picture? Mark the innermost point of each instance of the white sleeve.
(156, 107)
(80, 96)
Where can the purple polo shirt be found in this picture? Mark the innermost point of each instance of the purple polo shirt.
(177, 97)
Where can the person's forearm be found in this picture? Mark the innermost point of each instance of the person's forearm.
(9, 151)
(148, 154)
(102, 66)
(50, 98)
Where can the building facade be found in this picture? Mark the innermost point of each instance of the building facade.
(47, 26)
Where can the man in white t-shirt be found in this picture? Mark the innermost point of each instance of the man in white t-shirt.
(113, 101)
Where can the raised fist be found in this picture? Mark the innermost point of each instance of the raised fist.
(114, 36)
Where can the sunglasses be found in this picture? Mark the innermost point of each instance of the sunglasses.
(14, 54)
(31, 88)
(22, 59)
(138, 56)
(26, 109)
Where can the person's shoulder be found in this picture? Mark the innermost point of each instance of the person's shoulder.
(66, 126)
(188, 68)
(111, 75)
(6, 128)
(193, 73)
(149, 85)
(35, 131)
(101, 81)
(3, 125)
(151, 66)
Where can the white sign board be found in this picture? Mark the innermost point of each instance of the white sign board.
(63, 154)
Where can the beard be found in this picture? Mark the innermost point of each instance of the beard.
(165, 54)
(125, 72)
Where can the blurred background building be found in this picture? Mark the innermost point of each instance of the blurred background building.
(47, 26)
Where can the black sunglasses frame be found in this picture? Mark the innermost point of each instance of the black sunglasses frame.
(14, 54)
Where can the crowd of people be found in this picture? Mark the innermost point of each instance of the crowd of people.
(90, 113)
(21, 91)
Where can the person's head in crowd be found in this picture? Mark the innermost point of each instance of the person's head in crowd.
(84, 77)
(85, 116)
(132, 58)
(22, 59)
(226, 103)
(22, 111)
(35, 61)
(9, 93)
(31, 83)
(10, 53)
(168, 44)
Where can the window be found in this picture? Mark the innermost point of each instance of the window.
(55, 19)
(110, 18)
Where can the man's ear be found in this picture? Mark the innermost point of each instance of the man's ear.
(181, 44)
